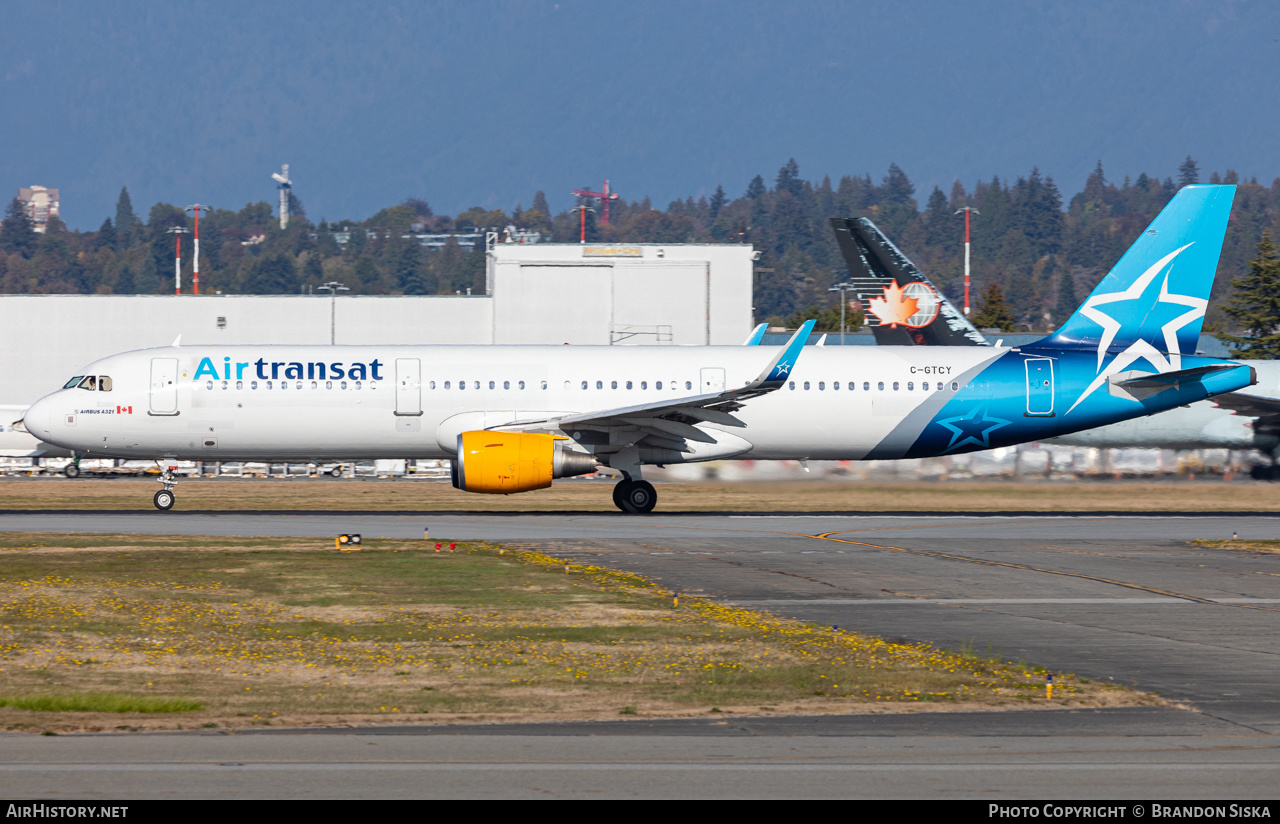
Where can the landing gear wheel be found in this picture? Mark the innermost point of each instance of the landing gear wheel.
(71, 470)
(620, 494)
(164, 500)
(639, 497)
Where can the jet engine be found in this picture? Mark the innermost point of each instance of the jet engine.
(506, 462)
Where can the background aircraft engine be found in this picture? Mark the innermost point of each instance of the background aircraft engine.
(506, 462)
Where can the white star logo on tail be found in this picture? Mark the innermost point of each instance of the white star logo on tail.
(1141, 349)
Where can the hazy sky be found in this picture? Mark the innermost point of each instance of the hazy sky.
(482, 103)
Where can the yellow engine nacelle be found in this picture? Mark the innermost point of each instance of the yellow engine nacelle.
(506, 462)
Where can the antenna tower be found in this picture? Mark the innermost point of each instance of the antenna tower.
(282, 177)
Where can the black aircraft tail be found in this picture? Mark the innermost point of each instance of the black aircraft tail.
(902, 307)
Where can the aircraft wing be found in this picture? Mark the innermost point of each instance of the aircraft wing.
(1253, 406)
(670, 423)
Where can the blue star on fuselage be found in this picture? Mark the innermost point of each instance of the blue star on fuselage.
(971, 429)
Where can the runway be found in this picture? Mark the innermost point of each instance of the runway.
(1119, 598)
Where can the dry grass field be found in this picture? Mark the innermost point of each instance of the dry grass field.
(800, 496)
(153, 632)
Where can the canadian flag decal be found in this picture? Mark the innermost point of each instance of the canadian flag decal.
(124, 410)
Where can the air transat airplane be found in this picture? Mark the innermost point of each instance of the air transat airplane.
(513, 418)
(903, 307)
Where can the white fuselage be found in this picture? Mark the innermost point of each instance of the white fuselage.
(272, 402)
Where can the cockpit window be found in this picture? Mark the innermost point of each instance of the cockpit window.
(74, 382)
(90, 383)
(104, 383)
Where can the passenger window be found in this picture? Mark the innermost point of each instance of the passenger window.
(239, 384)
(506, 384)
(74, 382)
(628, 384)
(446, 384)
(599, 384)
(224, 384)
(822, 385)
(791, 385)
(430, 385)
(359, 384)
(268, 384)
(208, 384)
(806, 386)
(939, 386)
(954, 386)
(852, 386)
(253, 384)
(104, 384)
(644, 384)
(880, 386)
(658, 384)
(866, 386)
(491, 384)
(835, 385)
(520, 385)
(613, 384)
(462, 384)
(477, 385)
(344, 384)
(544, 384)
(328, 384)
(688, 385)
(584, 384)
(911, 386)
(315, 385)
(895, 386)
(298, 385)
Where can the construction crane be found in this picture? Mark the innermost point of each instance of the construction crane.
(605, 196)
(282, 177)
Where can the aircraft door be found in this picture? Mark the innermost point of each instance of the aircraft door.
(712, 380)
(164, 386)
(1039, 387)
(408, 386)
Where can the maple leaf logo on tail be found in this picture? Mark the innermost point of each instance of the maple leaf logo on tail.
(895, 308)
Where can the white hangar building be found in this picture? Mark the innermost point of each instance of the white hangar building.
(676, 294)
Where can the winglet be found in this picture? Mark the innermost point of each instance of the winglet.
(775, 374)
(756, 334)
(177, 342)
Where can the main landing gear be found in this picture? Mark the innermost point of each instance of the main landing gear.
(635, 497)
(164, 499)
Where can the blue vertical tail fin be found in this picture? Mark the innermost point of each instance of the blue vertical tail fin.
(1155, 297)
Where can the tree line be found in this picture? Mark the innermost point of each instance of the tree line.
(1033, 250)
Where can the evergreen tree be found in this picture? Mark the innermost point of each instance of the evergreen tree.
(127, 223)
(409, 269)
(540, 203)
(1188, 173)
(717, 202)
(1255, 306)
(17, 235)
(107, 235)
(755, 188)
(148, 283)
(125, 282)
(789, 179)
(994, 313)
(272, 274)
(1067, 302)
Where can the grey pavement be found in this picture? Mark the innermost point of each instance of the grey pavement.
(1119, 598)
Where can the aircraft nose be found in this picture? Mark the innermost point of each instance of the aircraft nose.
(36, 418)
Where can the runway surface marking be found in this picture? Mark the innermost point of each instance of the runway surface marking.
(598, 766)
(885, 602)
(827, 536)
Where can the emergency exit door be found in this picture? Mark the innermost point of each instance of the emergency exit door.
(712, 380)
(164, 386)
(1039, 387)
(408, 386)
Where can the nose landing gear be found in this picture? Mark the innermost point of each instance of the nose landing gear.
(164, 499)
(634, 497)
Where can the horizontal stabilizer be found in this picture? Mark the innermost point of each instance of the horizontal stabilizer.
(1141, 385)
